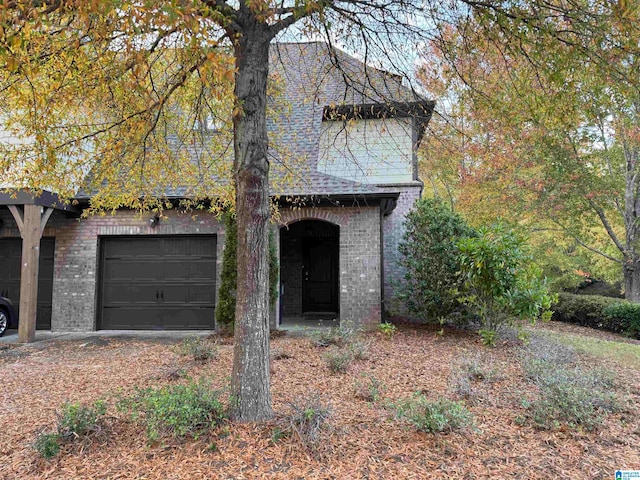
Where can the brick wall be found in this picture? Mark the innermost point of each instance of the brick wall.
(76, 256)
(393, 230)
(359, 258)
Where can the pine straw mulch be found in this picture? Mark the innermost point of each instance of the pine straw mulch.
(362, 441)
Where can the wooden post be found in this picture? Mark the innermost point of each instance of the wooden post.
(31, 223)
(29, 273)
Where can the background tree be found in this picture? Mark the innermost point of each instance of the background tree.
(546, 133)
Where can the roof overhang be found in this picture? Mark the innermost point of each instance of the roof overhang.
(386, 200)
(419, 111)
(43, 198)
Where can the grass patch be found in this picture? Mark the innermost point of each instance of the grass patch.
(627, 354)
(569, 394)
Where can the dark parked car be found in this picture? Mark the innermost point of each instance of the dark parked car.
(7, 315)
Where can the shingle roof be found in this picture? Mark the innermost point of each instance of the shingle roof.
(306, 79)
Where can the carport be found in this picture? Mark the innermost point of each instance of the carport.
(31, 211)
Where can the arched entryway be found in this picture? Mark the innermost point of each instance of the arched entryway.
(309, 267)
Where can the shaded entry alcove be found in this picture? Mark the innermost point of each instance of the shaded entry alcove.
(309, 262)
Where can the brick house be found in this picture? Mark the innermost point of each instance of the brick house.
(340, 221)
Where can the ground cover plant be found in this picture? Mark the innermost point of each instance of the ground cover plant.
(357, 437)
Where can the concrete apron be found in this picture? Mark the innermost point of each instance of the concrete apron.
(11, 336)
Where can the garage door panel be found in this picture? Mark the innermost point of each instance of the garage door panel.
(125, 248)
(158, 282)
(201, 294)
(167, 319)
(129, 293)
(10, 273)
(201, 270)
(127, 270)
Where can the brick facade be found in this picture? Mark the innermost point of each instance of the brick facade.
(75, 277)
(76, 259)
(393, 228)
(359, 258)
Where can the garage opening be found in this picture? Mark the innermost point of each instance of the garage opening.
(157, 282)
(10, 272)
(309, 251)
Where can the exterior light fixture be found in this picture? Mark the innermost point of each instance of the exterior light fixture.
(154, 221)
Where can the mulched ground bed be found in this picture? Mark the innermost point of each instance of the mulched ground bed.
(363, 440)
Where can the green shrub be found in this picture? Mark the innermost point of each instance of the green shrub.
(306, 420)
(226, 307)
(387, 329)
(74, 421)
(502, 284)
(178, 411)
(587, 311)
(338, 360)
(47, 445)
(441, 415)
(429, 258)
(628, 316)
(198, 348)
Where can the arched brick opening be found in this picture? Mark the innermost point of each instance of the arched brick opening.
(309, 272)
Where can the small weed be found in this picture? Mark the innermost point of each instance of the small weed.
(279, 434)
(388, 330)
(466, 376)
(47, 445)
(339, 336)
(198, 348)
(488, 337)
(177, 411)
(369, 388)
(338, 360)
(278, 354)
(359, 349)
(441, 415)
(306, 420)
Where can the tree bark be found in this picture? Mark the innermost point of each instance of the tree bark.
(250, 382)
(632, 279)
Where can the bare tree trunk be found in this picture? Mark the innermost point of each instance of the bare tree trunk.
(632, 279)
(631, 265)
(250, 382)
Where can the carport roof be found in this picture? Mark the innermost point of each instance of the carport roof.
(43, 198)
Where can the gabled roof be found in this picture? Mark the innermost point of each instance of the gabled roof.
(309, 81)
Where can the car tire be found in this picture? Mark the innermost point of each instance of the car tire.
(4, 321)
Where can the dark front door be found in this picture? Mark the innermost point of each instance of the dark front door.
(165, 283)
(319, 274)
(10, 272)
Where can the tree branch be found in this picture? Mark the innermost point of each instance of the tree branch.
(607, 225)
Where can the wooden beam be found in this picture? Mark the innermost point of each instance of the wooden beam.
(31, 232)
(17, 215)
(45, 218)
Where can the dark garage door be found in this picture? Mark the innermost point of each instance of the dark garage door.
(10, 261)
(164, 283)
